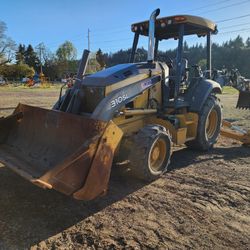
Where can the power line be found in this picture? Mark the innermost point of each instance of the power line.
(208, 5)
(126, 39)
(115, 46)
(122, 40)
(233, 31)
(114, 32)
(119, 29)
(79, 37)
(234, 18)
(224, 7)
(236, 25)
(110, 28)
(219, 21)
(118, 40)
(122, 30)
(109, 41)
(222, 33)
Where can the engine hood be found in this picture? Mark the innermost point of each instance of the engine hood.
(111, 75)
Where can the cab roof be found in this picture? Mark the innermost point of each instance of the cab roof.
(168, 27)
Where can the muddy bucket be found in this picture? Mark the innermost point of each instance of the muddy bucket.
(52, 149)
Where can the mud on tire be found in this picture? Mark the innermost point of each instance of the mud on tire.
(151, 151)
(208, 130)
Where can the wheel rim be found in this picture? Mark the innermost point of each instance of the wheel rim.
(157, 155)
(211, 124)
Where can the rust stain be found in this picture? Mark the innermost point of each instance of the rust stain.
(96, 183)
(52, 149)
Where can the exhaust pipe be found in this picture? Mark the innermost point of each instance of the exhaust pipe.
(62, 104)
(82, 67)
(151, 35)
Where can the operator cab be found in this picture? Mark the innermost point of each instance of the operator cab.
(175, 27)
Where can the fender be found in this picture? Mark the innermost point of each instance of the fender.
(197, 94)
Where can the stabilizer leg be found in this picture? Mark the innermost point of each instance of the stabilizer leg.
(231, 131)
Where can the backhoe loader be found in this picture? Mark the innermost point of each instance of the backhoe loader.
(134, 110)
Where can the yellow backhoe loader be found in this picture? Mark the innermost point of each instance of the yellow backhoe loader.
(132, 110)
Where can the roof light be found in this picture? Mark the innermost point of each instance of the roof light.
(179, 18)
(163, 25)
(169, 22)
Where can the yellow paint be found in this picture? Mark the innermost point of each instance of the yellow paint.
(189, 121)
(141, 101)
(112, 135)
(130, 125)
(186, 131)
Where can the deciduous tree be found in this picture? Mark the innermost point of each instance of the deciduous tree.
(66, 52)
(7, 45)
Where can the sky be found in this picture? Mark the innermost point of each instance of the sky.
(54, 21)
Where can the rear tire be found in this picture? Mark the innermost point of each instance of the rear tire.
(150, 154)
(209, 125)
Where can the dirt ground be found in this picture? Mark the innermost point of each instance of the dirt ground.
(203, 202)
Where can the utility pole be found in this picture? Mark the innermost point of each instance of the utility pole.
(88, 39)
(40, 49)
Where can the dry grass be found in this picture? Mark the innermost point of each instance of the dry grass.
(42, 97)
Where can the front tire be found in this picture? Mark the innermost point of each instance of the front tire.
(151, 152)
(209, 125)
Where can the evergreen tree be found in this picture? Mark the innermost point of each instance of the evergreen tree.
(233, 53)
(236, 43)
(100, 59)
(248, 42)
(30, 57)
(20, 54)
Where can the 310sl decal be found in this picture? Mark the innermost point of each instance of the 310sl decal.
(118, 100)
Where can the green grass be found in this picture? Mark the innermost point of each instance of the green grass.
(22, 88)
(229, 90)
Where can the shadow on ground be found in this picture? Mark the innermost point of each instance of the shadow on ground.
(185, 157)
(29, 214)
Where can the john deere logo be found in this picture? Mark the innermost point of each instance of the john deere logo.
(146, 84)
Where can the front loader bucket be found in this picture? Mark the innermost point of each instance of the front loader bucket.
(244, 100)
(52, 149)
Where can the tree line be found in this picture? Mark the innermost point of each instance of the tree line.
(234, 53)
(25, 60)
